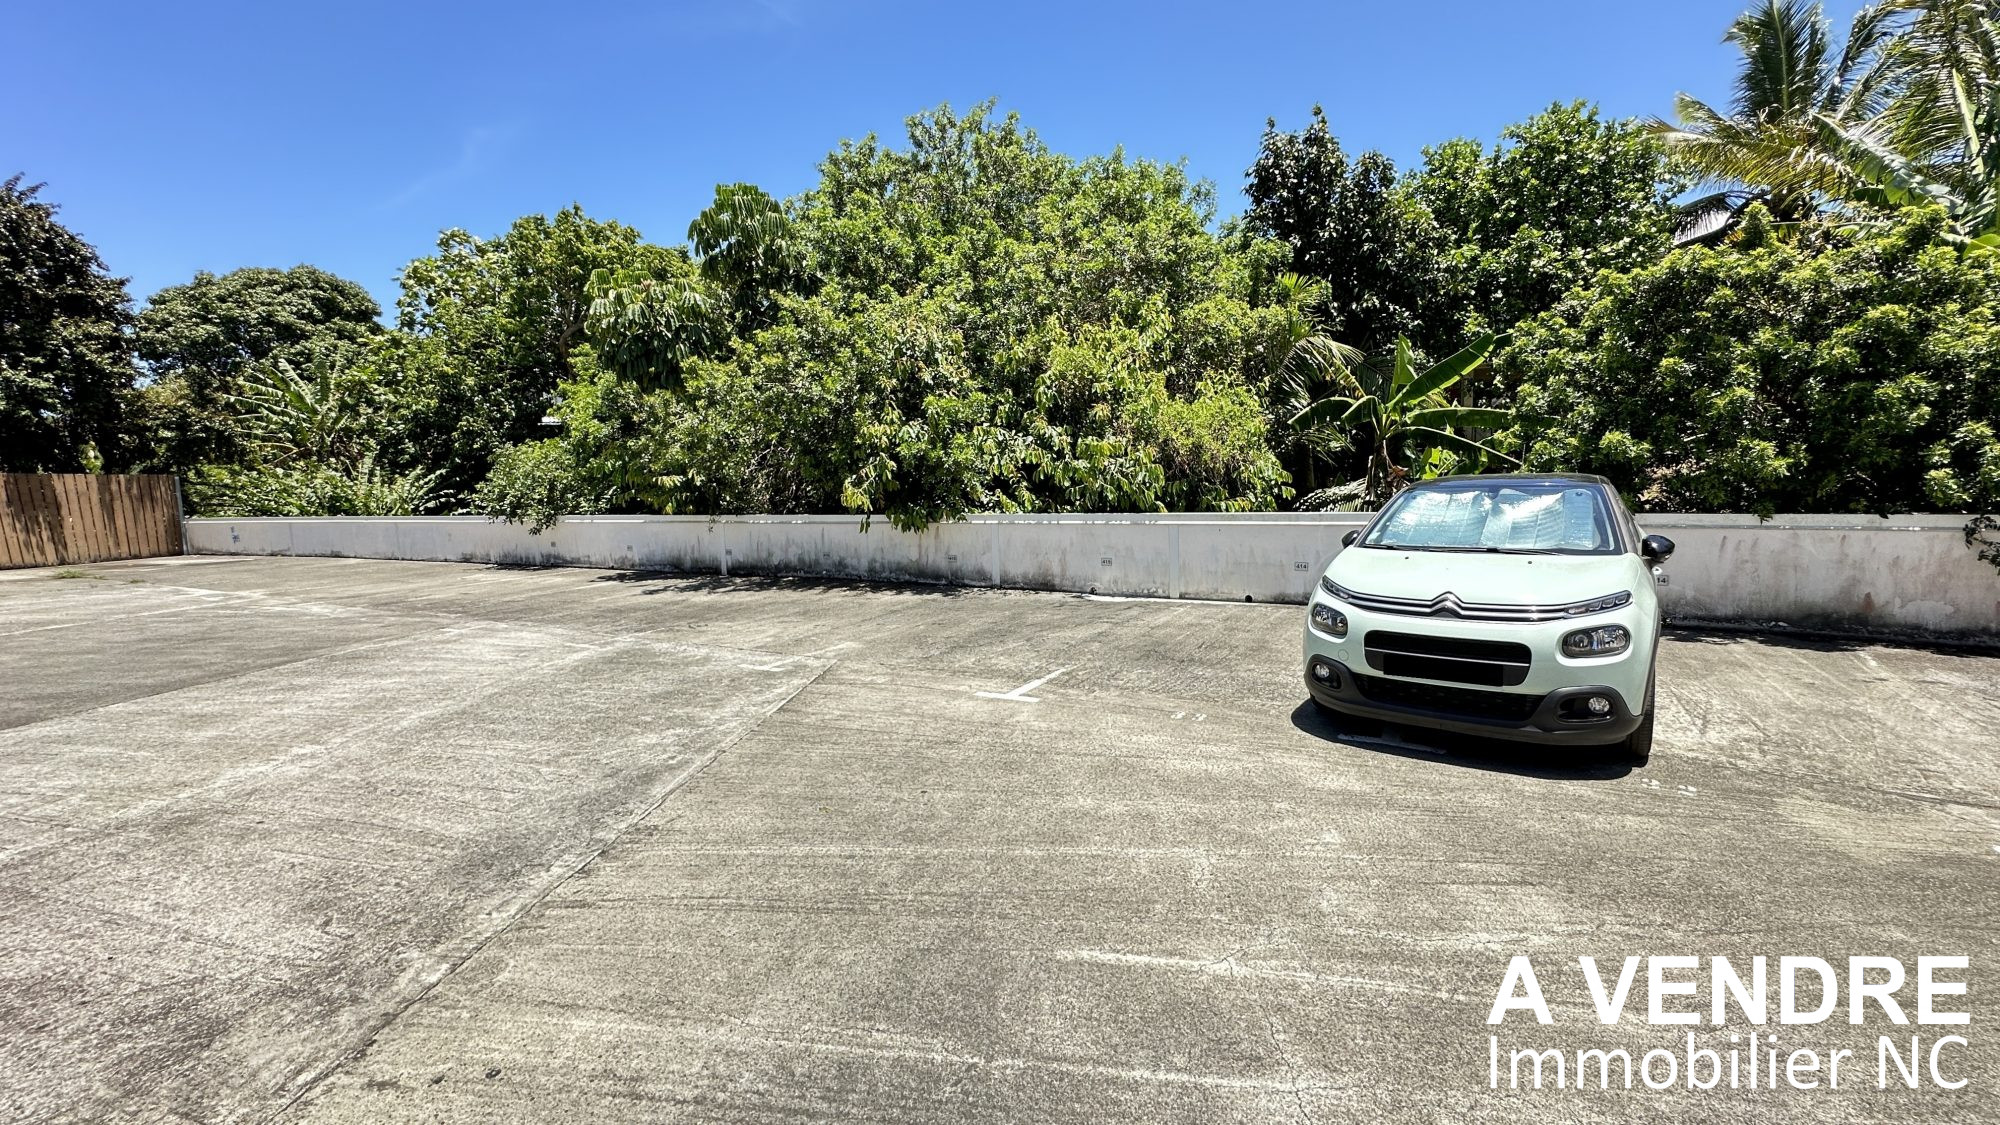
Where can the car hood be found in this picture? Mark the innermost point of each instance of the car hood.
(1491, 578)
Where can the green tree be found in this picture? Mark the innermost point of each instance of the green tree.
(1348, 226)
(66, 369)
(985, 325)
(486, 332)
(751, 250)
(1933, 52)
(200, 340)
(1938, 141)
(281, 415)
(1564, 195)
(647, 326)
(308, 450)
(311, 489)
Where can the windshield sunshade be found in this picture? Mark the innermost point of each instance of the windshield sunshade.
(1500, 518)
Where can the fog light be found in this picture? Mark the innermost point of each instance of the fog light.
(1598, 705)
(1605, 640)
(1322, 673)
(1329, 620)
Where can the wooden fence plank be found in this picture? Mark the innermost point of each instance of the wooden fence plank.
(106, 489)
(97, 505)
(63, 520)
(36, 543)
(170, 515)
(123, 513)
(76, 517)
(69, 501)
(11, 546)
(146, 525)
(97, 500)
(131, 516)
(131, 521)
(172, 510)
(160, 503)
(62, 525)
(138, 529)
(55, 526)
(55, 531)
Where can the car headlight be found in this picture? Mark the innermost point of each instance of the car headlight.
(1605, 640)
(1329, 620)
(1598, 605)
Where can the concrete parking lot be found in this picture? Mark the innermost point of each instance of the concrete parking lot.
(327, 840)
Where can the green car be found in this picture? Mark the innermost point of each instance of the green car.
(1516, 606)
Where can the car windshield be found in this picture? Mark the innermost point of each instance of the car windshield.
(1504, 516)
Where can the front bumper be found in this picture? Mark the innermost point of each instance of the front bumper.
(1545, 722)
(1531, 706)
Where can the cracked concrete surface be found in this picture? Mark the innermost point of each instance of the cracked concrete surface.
(324, 840)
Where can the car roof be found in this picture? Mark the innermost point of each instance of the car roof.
(1548, 478)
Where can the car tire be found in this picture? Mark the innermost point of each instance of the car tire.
(1639, 744)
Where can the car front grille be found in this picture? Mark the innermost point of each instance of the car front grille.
(1465, 702)
(1460, 660)
(1448, 605)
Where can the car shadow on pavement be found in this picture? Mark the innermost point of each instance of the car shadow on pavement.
(1805, 640)
(1554, 763)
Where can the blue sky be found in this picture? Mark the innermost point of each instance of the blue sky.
(211, 136)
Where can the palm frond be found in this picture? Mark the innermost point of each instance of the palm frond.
(1315, 366)
(1785, 47)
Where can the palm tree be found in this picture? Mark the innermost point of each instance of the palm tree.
(1937, 46)
(1938, 141)
(1399, 415)
(1791, 80)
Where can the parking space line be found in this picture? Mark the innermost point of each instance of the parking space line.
(1020, 694)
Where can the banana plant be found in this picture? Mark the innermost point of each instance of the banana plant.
(1400, 415)
(284, 416)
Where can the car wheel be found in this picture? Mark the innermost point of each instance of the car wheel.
(1639, 744)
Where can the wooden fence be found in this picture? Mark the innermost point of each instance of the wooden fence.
(61, 519)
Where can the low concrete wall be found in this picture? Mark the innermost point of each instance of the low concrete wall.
(1905, 576)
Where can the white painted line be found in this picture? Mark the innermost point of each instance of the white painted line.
(1020, 694)
(44, 628)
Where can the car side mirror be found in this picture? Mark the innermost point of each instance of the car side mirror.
(1348, 539)
(1656, 548)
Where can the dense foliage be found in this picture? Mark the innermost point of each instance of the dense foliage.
(485, 332)
(973, 323)
(1770, 376)
(962, 320)
(202, 341)
(1350, 225)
